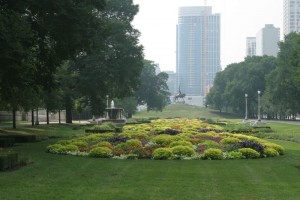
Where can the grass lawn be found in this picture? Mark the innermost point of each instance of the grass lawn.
(192, 112)
(53, 176)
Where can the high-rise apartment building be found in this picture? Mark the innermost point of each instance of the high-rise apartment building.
(291, 16)
(172, 80)
(198, 50)
(267, 41)
(250, 46)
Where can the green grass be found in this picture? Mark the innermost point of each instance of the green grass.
(68, 177)
(192, 112)
(52, 176)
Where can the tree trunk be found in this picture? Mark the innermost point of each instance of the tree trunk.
(47, 115)
(69, 112)
(37, 117)
(58, 116)
(14, 118)
(32, 117)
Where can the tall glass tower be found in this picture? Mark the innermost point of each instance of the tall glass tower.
(197, 49)
(291, 16)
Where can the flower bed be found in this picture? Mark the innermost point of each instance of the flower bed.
(162, 139)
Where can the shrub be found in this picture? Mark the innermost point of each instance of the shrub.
(7, 142)
(249, 153)
(146, 152)
(241, 136)
(79, 143)
(162, 154)
(101, 152)
(8, 160)
(129, 147)
(63, 142)
(229, 140)
(70, 147)
(107, 126)
(213, 154)
(277, 147)
(133, 143)
(170, 131)
(135, 135)
(181, 143)
(206, 135)
(162, 139)
(115, 139)
(200, 149)
(20, 138)
(250, 144)
(209, 144)
(183, 151)
(270, 152)
(234, 155)
(61, 149)
(103, 144)
(96, 137)
(55, 148)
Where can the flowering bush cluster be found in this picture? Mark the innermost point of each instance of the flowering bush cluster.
(169, 139)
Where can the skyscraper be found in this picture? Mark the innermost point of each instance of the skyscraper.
(250, 46)
(172, 82)
(267, 41)
(198, 50)
(291, 16)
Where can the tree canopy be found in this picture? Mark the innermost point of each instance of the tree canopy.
(75, 49)
(153, 90)
(238, 79)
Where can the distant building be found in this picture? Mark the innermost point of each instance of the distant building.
(172, 83)
(250, 46)
(197, 51)
(291, 16)
(267, 41)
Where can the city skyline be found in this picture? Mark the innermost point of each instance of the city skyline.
(239, 19)
(198, 49)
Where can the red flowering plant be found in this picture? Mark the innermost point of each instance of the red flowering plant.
(215, 139)
(200, 149)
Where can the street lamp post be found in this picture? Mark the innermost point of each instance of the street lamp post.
(258, 117)
(246, 112)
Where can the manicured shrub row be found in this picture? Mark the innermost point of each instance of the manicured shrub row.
(8, 160)
(7, 142)
(169, 139)
(104, 128)
(20, 138)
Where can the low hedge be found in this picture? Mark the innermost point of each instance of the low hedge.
(18, 138)
(7, 142)
(8, 161)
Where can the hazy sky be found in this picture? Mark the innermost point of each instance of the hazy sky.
(157, 21)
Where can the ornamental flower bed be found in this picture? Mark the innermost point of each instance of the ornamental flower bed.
(163, 139)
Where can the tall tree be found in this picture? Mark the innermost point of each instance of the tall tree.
(283, 84)
(37, 36)
(114, 67)
(153, 90)
(237, 79)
